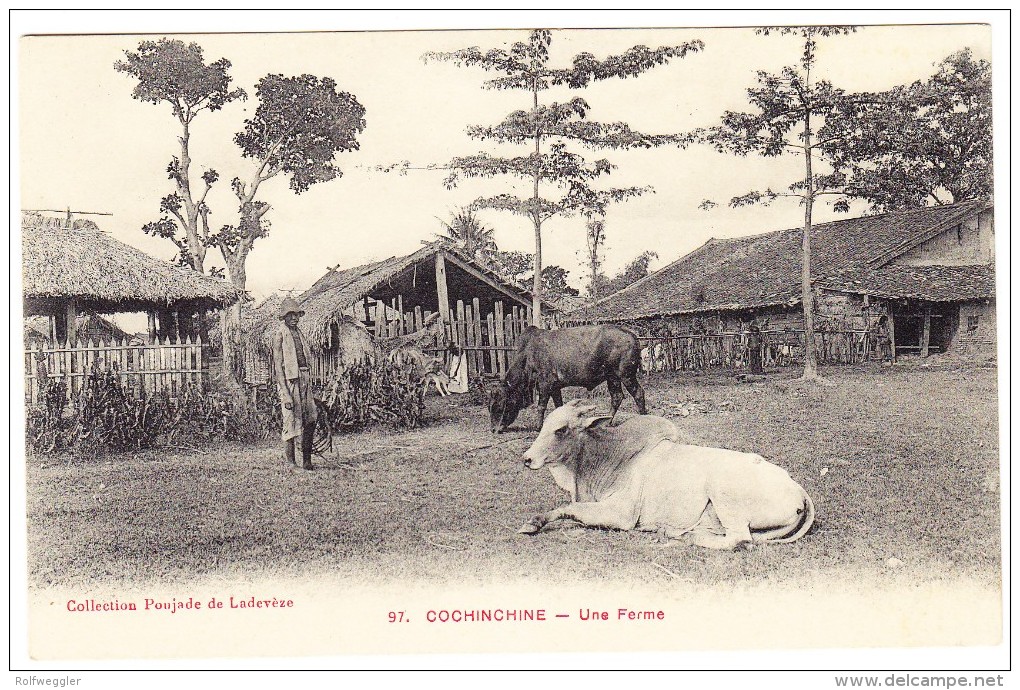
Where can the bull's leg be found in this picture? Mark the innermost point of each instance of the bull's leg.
(589, 514)
(615, 396)
(543, 402)
(636, 392)
(557, 397)
(737, 531)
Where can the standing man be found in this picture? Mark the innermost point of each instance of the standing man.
(754, 347)
(294, 384)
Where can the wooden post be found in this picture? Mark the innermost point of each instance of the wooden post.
(72, 321)
(442, 293)
(469, 335)
(152, 327)
(402, 324)
(493, 366)
(476, 324)
(500, 339)
(459, 334)
(926, 332)
(892, 335)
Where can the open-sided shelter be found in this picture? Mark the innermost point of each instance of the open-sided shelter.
(480, 311)
(70, 269)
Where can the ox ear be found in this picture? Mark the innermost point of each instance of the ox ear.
(593, 423)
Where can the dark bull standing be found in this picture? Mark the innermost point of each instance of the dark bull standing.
(548, 361)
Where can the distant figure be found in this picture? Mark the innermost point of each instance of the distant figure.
(883, 343)
(458, 370)
(754, 348)
(294, 385)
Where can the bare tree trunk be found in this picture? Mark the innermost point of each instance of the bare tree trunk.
(230, 325)
(190, 219)
(536, 283)
(807, 299)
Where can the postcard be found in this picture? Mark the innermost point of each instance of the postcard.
(511, 341)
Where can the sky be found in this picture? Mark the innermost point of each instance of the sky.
(85, 143)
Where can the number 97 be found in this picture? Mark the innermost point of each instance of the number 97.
(396, 616)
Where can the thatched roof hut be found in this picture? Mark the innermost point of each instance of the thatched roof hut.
(103, 275)
(433, 278)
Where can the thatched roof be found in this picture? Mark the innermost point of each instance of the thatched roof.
(334, 294)
(103, 274)
(764, 270)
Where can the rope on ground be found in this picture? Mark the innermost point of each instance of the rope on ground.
(666, 570)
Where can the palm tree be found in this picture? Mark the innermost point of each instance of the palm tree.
(466, 231)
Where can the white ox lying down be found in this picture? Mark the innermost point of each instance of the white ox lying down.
(638, 476)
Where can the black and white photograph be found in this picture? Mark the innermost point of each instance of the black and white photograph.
(653, 341)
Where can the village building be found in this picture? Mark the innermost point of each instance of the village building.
(923, 279)
(439, 286)
(72, 272)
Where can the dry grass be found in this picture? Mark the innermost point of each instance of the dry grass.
(902, 463)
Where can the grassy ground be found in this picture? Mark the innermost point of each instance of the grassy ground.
(902, 464)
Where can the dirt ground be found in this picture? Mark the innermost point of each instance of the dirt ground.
(902, 464)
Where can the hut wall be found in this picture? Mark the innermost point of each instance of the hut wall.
(971, 242)
(732, 321)
(843, 312)
(977, 327)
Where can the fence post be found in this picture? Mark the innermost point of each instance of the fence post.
(500, 335)
(493, 365)
(460, 334)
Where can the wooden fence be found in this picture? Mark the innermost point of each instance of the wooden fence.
(730, 350)
(142, 368)
(487, 340)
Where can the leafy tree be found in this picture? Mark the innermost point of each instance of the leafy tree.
(791, 113)
(560, 181)
(468, 232)
(298, 127)
(926, 143)
(514, 266)
(554, 282)
(168, 71)
(634, 271)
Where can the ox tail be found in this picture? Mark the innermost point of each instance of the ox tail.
(783, 535)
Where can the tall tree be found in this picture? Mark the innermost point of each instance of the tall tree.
(172, 72)
(466, 230)
(926, 143)
(560, 180)
(596, 239)
(792, 113)
(299, 126)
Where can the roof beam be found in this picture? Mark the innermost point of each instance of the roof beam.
(471, 270)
